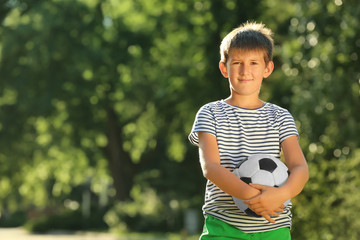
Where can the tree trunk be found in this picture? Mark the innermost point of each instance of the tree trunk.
(120, 164)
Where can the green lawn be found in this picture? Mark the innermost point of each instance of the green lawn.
(155, 236)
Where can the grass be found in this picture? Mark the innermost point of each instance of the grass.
(157, 236)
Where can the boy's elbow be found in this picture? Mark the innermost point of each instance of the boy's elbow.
(306, 172)
(206, 170)
(303, 170)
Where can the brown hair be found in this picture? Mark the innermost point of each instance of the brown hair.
(248, 36)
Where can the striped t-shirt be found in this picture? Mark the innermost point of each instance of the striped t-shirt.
(240, 133)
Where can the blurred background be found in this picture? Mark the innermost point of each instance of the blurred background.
(97, 98)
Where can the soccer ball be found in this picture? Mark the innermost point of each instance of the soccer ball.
(261, 169)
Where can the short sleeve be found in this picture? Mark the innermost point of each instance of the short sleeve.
(204, 122)
(287, 126)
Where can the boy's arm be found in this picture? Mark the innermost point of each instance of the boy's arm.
(296, 163)
(222, 177)
(219, 175)
(299, 175)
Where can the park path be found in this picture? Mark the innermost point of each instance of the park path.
(21, 234)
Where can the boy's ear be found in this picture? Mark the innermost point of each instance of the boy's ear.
(269, 69)
(223, 69)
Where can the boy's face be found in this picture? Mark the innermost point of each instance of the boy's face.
(245, 70)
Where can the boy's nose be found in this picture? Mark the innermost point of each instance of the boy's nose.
(244, 69)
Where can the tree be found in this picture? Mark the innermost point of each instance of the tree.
(68, 77)
(98, 83)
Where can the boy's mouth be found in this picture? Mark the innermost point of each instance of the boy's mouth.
(244, 80)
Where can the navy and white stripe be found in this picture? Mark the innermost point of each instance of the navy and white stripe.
(240, 133)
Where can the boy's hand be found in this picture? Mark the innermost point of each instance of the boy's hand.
(268, 203)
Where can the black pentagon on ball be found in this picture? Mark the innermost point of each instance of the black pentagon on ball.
(250, 212)
(246, 180)
(267, 164)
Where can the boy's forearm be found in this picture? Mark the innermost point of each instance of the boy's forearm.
(228, 182)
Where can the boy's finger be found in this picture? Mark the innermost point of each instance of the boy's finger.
(279, 209)
(275, 214)
(258, 210)
(268, 218)
(252, 201)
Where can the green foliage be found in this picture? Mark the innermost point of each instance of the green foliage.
(145, 213)
(327, 212)
(65, 220)
(16, 219)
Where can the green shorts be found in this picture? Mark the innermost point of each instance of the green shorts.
(217, 229)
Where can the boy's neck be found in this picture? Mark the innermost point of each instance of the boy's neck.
(248, 103)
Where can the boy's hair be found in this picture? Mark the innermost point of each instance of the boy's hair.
(248, 36)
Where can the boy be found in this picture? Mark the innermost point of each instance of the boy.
(228, 131)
